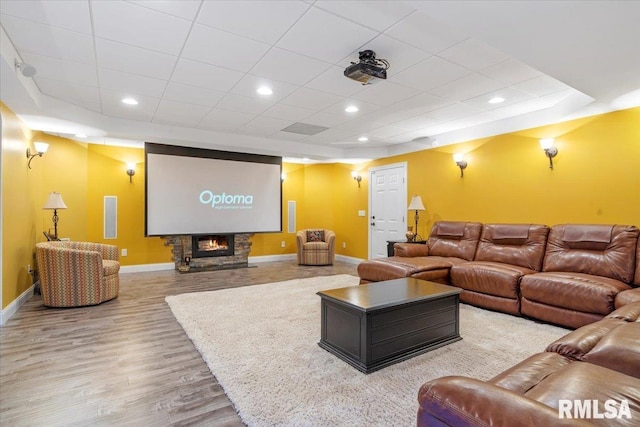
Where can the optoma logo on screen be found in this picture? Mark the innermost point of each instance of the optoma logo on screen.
(226, 201)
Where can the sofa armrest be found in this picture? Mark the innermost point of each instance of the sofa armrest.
(410, 250)
(330, 238)
(462, 402)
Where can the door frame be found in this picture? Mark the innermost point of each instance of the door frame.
(371, 171)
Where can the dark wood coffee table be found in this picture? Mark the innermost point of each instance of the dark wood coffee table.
(375, 325)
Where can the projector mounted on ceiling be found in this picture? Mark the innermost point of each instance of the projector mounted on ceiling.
(368, 68)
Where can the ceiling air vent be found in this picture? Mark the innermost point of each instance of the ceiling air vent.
(304, 128)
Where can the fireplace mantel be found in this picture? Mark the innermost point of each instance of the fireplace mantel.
(185, 262)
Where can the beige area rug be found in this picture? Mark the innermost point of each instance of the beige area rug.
(261, 343)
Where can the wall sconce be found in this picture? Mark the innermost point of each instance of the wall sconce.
(131, 170)
(283, 176)
(549, 150)
(41, 148)
(461, 162)
(355, 175)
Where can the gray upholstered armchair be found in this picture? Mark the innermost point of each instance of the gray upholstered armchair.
(316, 246)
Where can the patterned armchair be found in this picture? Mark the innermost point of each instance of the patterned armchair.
(75, 274)
(316, 246)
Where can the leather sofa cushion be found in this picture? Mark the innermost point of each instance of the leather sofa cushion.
(629, 312)
(581, 341)
(585, 249)
(378, 270)
(528, 373)
(574, 291)
(516, 244)
(454, 239)
(110, 267)
(557, 315)
(586, 381)
(619, 350)
(627, 297)
(410, 249)
(489, 278)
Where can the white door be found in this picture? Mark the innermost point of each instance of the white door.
(387, 207)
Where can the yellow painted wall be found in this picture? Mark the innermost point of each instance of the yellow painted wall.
(20, 210)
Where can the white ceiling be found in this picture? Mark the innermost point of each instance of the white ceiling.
(194, 66)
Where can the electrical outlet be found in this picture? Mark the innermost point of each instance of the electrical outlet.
(283, 244)
(29, 268)
(344, 245)
(124, 252)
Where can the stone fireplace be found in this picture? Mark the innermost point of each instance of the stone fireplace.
(209, 252)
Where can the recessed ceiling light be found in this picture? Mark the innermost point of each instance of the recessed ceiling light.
(264, 90)
(130, 101)
(351, 109)
(496, 100)
(363, 139)
(80, 135)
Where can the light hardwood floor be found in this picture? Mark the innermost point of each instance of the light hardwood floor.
(124, 362)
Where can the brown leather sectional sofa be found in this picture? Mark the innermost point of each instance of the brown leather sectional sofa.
(570, 274)
(591, 375)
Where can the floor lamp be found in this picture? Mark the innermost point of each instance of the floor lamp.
(416, 205)
(54, 202)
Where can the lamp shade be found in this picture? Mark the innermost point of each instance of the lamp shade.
(54, 201)
(416, 204)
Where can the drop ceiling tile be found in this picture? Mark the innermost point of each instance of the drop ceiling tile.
(112, 106)
(542, 85)
(415, 123)
(451, 112)
(289, 67)
(510, 95)
(467, 87)
(204, 75)
(430, 73)
(224, 15)
(179, 113)
(311, 36)
(311, 99)
(192, 94)
(288, 136)
(83, 96)
(333, 81)
(223, 49)
(384, 93)
(288, 112)
(31, 37)
(139, 26)
(419, 104)
(473, 54)
(399, 54)
(185, 9)
(378, 15)
(70, 15)
(218, 119)
(357, 126)
(511, 72)
(324, 119)
(249, 84)
(425, 33)
(329, 135)
(261, 126)
(363, 108)
(62, 70)
(130, 84)
(244, 104)
(385, 132)
(135, 60)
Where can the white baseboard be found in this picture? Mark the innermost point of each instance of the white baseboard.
(349, 259)
(272, 258)
(15, 305)
(141, 268)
